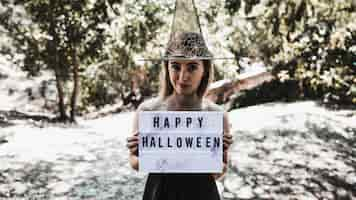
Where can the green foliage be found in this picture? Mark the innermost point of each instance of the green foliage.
(59, 30)
(133, 27)
(63, 34)
(96, 92)
(232, 6)
(311, 42)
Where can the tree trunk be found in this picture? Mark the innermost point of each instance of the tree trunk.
(55, 62)
(61, 107)
(75, 91)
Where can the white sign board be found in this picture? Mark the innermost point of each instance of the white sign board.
(180, 142)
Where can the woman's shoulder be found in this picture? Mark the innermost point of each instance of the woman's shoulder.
(152, 104)
(208, 105)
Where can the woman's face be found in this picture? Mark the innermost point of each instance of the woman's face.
(185, 75)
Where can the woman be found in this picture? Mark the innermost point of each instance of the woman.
(184, 80)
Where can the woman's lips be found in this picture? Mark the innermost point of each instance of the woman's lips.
(183, 85)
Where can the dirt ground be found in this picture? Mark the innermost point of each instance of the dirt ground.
(281, 151)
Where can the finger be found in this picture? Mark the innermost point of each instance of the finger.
(229, 141)
(227, 144)
(228, 136)
(133, 138)
(131, 144)
(135, 133)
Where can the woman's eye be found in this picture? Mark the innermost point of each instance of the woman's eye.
(175, 67)
(192, 67)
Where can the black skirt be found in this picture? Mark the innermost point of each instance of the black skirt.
(180, 187)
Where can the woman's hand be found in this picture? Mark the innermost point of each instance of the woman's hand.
(132, 144)
(227, 141)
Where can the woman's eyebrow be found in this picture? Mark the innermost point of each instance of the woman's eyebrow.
(192, 63)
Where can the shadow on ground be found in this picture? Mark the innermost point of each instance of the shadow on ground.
(27, 181)
(16, 115)
(317, 162)
(101, 173)
(314, 160)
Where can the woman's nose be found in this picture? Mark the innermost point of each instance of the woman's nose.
(183, 75)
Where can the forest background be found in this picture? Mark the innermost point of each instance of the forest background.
(91, 49)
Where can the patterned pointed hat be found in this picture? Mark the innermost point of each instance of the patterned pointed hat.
(186, 41)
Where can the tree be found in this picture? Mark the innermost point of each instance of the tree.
(96, 43)
(135, 32)
(311, 42)
(66, 36)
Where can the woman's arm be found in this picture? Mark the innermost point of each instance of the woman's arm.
(132, 143)
(134, 162)
(227, 142)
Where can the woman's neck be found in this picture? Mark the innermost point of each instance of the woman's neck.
(184, 102)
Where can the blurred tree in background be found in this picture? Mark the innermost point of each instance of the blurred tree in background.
(82, 41)
(311, 43)
(64, 36)
(131, 34)
(93, 46)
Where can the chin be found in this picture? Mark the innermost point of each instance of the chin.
(187, 93)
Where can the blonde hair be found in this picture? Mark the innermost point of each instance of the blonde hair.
(166, 87)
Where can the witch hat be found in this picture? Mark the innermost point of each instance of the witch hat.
(186, 41)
